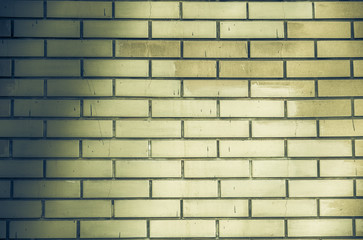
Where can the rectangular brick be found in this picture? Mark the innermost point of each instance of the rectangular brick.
(47, 28)
(43, 229)
(85, 87)
(9, 8)
(319, 108)
(5, 68)
(215, 49)
(319, 148)
(182, 228)
(341, 168)
(20, 168)
(147, 208)
(284, 128)
(359, 227)
(251, 69)
(114, 148)
(147, 88)
(213, 169)
(340, 128)
(79, 48)
(184, 188)
(280, 10)
(4, 107)
(216, 129)
(339, 10)
(47, 68)
(358, 107)
(147, 48)
(45, 148)
(148, 169)
(358, 29)
(358, 68)
(116, 68)
(320, 227)
(4, 191)
(340, 88)
(4, 148)
(214, 10)
(215, 88)
(251, 148)
(79, 169)
(3, 229)
(359, 187)
(115, 29)
(184, 29)
(282, 49)
(46, 108)
(284, 208)
(215, 208)
(284, 168)
(251, 228)
(115, 108)
(253, 188)
(21, 128)
(115, 189)
(183, 68)
(184, 148)
(47, 189)
(5, 28)
(77, 208)
(146, 9)
(19, 87)
(320, 188)
(113, 229)
(358, 147)
(341, 207)
(79, 128)
(321, 29)
(21, 48)
(20, 209)
(335, 49)
(320, 68)
(251, 108)
(184, 108)
(252, 29)
(81, 9)
(148, 129)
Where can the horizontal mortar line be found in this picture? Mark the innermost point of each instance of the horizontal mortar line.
(209, 59)
(100, 138)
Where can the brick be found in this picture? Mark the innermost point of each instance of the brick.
(284, 208)
(359, 147)
(147, 48)
(251, 148)
(148, 169)
(341, 168)
(47, 189)
(320, 188)
(147, 208)
(358, 68)
(319, 227)
(251, 228)
(115, 189)
(183, 29)
(79, 48)
(81, 9)
(4, 191)
(86, 87)
(330, 128)
(249, 29)
(10, 8)
(45, 148)
(216, 129)
(321, 68)
(115, 29)
(321, 29)
(184, 148)
(5, 68)
(115, 108)
(182, 228)
(282, 49)
(358, 29)
(340, 49)
(19, 87)
(21, 48)
(148, 129)
(147, 88)
(319, 148)
(338, 10)
(147, 10)
(215, 208)
(47, 28)
(253, 188)
(341, 207)
(359, 187)
(184, 108)
(5, 28)
(280, 10)
(358, 107)
(213, 169)
(2, 229)
(183, 68)
(359, 227)
(215, 49)
(79, 128)
(251, 69)
(215, 88)
(46, 108)
(21, 128)
(251, 108)
(114, 148)
(77, 208)
(79, 169)
(214, 10)
(284, 128)
(284, 168)
(20, 168)
(43, 229)
(5, 107)
(319, 108)
(113, 229)
(4, 148)
(20, 209)
(184, 189)
(340, 88)
(47, 68)
(116, 68)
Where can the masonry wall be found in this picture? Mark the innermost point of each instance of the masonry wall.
(149, 120)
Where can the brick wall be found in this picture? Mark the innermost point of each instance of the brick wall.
(177, 119)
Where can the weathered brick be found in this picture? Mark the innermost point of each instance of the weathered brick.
(4, 107)
(319, 29)
(359, 227)
(46, 108)
(359, 187)
(77, 208)
(182, 228)
(251, 148)
(340, 128)
(213, 169)
(184, 148)
(335, 49)
(284, 208)
(251, 108)
(215, 88)
(214, 10)
(284, 168)
(147, 88)
(4, 191)
(21, 48)
(338, 10)
(19, 87)
(341, 168)
(319, 108)
(147, 48)
(5, 68)
(184, 188)
(3, 229)
(46, 28)
(21, 168)
(9, 8)
(4, 148)
(284, 128)
(115, 29)
(146, 9)
(79, 48)
(147, 208)
(148, 169)
(253, 188)
(341, 207)
(359, 147)
(21, 128)
(216, 129)
(184, 29)
(114, 148)
(358, 29)
(148, 129)
(252, 29)
(319, 148)
(78, 169)
(81, 9)
(320, 188)
(358, 107)
(43, 229)
(215, 208)
(319, 227)
(116, 68)
(115, 108)
(5, 28)
(358, 68)
(282, 49)
(340, 88)
(184, 108)
(113, 229)
(85, 87)
(79, 128)
(45, 148)
(47, 189)
(280, 10)
(20, 209)
(183, 68)
(215, 49)
(251, 228)
(115, 188)
(251, 69)
(47, 68)
(320, 68)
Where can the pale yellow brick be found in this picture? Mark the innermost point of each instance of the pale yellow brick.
(148, 169)
(320, 68)
(115, 189)
(184, 188)
(358, 68)
(147, 48)
(5, 68)
(284, 128)
(251, 69)
(4, 148)
(79, 128)
(184, 148)
(183, 68)
(339, 10)
(358, 29)
(220, 168)
(46, 189)
(251, 148)
(79, 169)
(5, 28)
(253, 188)
(4, 108)
(113, 229)
(4, 191)
(340, 128)
(320, 188)
(182, 228)
(334, 49)
(128, 9)
(46, 108)
(115, 108)
(251, 108)
(341, 168)
(19, 87)
(251, 228)
(116, 68)
(321, 29)
(45, 148)
(282, 49)
(43, 229)
(184, 29)
(340, 88)
(2, 229)
(280, 10)
(319, 148)
(9, 8)
(148, 129)
(21, 128)
(215, 88)
(215, 49)
(214, 10)
(319, 108)
(114, 148)
(48, 68)
(79, 9)
(21, 168)
(359, 227)
(85, 87)
(319, 227)
(216, 129)
(77, 208)
(20, 209)
(147, 208)
(359, 187)
(358, 107)
(252, 29)
(184, 108)
(284, 168)
(79, 48)
(359, 147)
(115, 29)
(284, 208)
(21, 48)
(47, 28)
(147, 88)
(341, 207)
(215, 208)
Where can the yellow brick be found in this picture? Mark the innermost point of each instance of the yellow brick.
(20, 169)
(21, 48)
(4, 148)
(9, 8)
(284, 168)
(251, 69)
(86, 87)
(255, 29)
(148, 129)
(215, 49)
(215, 88)
(148, 169)
(49, 68)
(5, 28)
(284, 128)
(146, 9)
(321, 68)
(216, 129)
(359, 227)
(340, 88)
(253, 188)
(116, 68)
(280, 10)
(47, 189)
(184, 148)
(340, 48)
(79, 169)
(116, 108)
(115, 29)
(46, 108)
(213, 169)
(4, 191)
(47, 28)
(18, 87)
(319, 108)
(359, 187)
(182, 228)
(79, 128)
(319, 29)
(282, 49)
(115, 189)
(114, 148)
(252, 108)
(45, 148)
(20, 209)
(183, 68)
(321, 188)
(81, 9)
(43, 229)
(184, 108)
(147, 48)
(358, 29)
(215, 208)
(319, 227)
(341, 207)
(319, 148)
(251, 148)
(5, 68)
(147, 208)
(184, 189)
(359, 147)
(21, 128)
(4, 108)
(214, 10)
(251, 228)
(183, 29)
(79, 48)
(358, 107)
(147, 88)
(338, 10)
(284, 208)
(341, 168)
(340, 128)
(113, 229)
(358, 68)
(77, 208)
